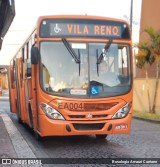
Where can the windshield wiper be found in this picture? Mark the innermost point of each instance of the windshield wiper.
(99, 58)
(72, 52)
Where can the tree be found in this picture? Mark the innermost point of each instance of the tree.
(149, 52)
(143, 58)
(155, 47)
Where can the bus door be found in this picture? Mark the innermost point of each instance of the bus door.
(27, 90)
(17, 92)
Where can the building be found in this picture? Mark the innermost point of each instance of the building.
(150, 16)
(7, 13)
(144, 89)
(3, 81)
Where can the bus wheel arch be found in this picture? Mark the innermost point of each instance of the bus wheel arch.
(18, 112)
(38, 137)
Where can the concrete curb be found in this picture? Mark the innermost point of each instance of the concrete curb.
(147, 120)
(4, 98)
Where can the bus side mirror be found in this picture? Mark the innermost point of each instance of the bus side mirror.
(34, 55)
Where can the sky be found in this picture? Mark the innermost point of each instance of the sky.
(28, 11)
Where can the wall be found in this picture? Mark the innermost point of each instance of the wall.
(140, 97)
(150, 16)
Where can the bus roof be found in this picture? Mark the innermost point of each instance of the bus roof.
(80, 17)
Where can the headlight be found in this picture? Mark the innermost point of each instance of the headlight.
(51, 112)
(121, 113)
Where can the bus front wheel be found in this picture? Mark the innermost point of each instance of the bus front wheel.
(37, 136)
(101, 136)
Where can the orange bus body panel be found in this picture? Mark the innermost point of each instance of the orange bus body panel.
(58, 127)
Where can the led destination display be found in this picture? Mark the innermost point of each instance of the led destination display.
(84, 28)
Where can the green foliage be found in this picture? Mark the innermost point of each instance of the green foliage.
(144, 55)
(140, 61)
(149, 51)
(154, 40)
(146, 115)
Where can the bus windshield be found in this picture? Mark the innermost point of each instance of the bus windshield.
(88, 77)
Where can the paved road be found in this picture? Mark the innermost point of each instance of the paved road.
(143, 142)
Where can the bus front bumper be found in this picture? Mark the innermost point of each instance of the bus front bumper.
(49, 127)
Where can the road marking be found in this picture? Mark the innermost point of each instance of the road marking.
(19, 143)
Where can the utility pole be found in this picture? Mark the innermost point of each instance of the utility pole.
(131, 15)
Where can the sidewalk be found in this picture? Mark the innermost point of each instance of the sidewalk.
(12, 142)
(7, 149)
(6, 146)
(148, 120)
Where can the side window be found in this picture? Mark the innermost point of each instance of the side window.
(28, 67)
(29, 49)
(23, 55)
(28, 61)
(25, 62)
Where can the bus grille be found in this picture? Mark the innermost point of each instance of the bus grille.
(84, 116)
(97, 126)
(98, 106)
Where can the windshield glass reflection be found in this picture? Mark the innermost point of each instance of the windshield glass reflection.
(62, 75)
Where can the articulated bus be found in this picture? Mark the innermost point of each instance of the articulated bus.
(73, 76)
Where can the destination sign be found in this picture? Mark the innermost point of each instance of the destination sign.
(83, 28)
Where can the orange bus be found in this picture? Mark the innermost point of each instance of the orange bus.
(73, 76)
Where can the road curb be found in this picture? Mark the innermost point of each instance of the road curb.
(147, 120)
(4, 98)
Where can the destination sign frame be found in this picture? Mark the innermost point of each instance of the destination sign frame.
(84, 28)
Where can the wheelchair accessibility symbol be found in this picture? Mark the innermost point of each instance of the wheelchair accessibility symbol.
(94, 90)
(57, 29)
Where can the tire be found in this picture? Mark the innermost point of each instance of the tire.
(30, 116)
(18, 114)
(19, 120)
(101, 136)
(37, 136)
